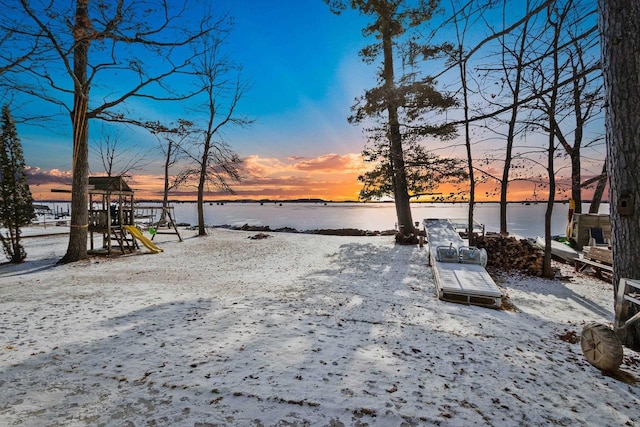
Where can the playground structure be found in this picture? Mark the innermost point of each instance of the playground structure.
(112, 215)
(111, 204)
(159, 220)
(133, 230)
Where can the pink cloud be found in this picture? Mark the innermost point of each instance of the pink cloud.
(38, 176)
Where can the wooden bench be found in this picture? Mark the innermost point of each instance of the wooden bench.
(628, 292)
(597, 260)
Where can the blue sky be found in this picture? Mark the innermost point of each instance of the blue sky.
(302, 64)
(303, 68)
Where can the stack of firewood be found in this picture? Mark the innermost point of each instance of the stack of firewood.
(509, 253)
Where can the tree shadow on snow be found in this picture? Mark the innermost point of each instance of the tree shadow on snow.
(362, 340)
(27, 267)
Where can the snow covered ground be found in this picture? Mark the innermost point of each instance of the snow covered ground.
(293, 330)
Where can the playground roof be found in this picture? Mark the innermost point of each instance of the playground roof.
(110, 184)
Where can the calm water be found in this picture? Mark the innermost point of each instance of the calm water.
(523, 220)
(527, 221)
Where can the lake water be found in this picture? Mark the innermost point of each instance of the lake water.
(523, 220)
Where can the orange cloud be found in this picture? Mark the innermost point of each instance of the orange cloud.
(332, 162)
(329, 176)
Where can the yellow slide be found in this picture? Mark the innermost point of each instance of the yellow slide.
(146, 242)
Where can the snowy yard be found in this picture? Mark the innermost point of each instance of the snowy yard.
(296, 330)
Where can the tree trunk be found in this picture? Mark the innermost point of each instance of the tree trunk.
(619, 28)
(575, 152)
(77, 248)
(401, 192)
(576, 178)
(167, 163)
(504, 183)
(402, 203)
(551, 149)
(201, 229)
(594, 207)
(467, 143)
(547, 271)
(511, 132)
(165, 192)
(201, 183)
(472, 199)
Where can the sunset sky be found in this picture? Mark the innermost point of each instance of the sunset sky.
(304, 70)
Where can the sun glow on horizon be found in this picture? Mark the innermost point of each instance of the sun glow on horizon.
(331, 177)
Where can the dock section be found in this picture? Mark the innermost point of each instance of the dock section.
(458, 270)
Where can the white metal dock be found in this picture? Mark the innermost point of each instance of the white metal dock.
(457, 269)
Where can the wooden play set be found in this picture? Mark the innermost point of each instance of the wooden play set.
(113, 215)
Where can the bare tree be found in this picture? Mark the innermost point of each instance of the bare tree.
(216, 164)
(12, 54)
(555, 22)
(513, 80)
(462, 21)
(172, 140)
(85, 48)
(117, 160)
(546, 74)
(577, 44)
(619, 24)
(512, 41)
(583, 99)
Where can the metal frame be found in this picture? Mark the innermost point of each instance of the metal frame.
(623, 299)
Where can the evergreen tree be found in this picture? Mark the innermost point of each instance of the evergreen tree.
(425, 171)
(400, 102)
(16, 202)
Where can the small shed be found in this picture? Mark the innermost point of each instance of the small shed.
(581, 223)
(111, 207)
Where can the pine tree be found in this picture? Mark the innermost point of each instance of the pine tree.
(399, 104)
(16, 202)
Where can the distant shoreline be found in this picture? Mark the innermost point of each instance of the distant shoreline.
(49, 231)
(322, 231)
